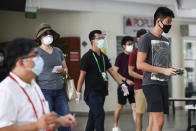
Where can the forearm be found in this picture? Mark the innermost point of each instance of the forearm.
(79, 86)
(121, 77)
(147, 67)
(65, 69)
(81, 80)
(115, 76)
(26, 127)
(80, 83)
(135, 75)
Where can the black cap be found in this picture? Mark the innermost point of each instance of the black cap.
(141, 32)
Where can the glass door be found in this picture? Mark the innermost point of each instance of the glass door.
(190, 66)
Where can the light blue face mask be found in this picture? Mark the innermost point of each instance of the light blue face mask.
(39, 64)
(1, 58)
(101, 43)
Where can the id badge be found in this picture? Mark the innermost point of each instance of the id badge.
(104, 75)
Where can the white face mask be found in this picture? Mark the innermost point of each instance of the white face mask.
(101, 43)
(39, 64)
(129, 48)
(47, 40)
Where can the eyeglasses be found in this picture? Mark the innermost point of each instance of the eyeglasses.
(100, 38)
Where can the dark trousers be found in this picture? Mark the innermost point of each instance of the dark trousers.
(96, 114)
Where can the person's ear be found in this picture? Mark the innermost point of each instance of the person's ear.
(93, 42)
(137, 39)
(124, 46)
(20, 62)
(158, 22)
(41, 39)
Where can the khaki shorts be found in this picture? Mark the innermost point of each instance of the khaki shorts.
(140, 101)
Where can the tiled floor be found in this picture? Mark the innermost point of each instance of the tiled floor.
(172, 123)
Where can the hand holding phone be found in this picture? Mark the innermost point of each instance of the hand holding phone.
(179, 71)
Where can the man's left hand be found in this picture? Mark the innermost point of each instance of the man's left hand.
(67, 121)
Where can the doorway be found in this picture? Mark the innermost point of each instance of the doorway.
(70, 46)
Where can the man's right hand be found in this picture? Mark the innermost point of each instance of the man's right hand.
(129, 82)
(47, 121)
(78, 97)
(124, 89)
(169, 71)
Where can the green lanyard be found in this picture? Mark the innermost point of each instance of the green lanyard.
(98, 62)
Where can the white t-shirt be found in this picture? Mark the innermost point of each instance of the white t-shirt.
(15, 108)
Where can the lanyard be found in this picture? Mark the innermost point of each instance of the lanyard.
(29, 99)
(98, 62)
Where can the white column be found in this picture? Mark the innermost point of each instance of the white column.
(177, 56)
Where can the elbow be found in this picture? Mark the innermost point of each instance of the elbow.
(139, 66)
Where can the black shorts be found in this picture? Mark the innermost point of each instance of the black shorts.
(123, 99)
(157, 98)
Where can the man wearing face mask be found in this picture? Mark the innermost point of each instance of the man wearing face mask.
(93, 69)
(153, 58)
(23, 106)
(3, 66)
(50, 81)
(121, 68)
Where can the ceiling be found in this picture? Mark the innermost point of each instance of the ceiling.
(183, 9)
(14, 5)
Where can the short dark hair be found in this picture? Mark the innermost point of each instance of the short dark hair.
(18, 48)
(92, 34)
(140, 32)
(125, 39)
(163, 12)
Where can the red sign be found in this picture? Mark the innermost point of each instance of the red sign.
(74, 56)
(133, 24)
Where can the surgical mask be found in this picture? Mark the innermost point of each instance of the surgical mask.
(1, 58)
(39, 64)
(101, 43)
(166, 28)
(129, 48)
(48, 39)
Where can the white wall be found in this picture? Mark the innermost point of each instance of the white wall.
(13, 24)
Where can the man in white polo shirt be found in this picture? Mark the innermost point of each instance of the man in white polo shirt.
(22, 104)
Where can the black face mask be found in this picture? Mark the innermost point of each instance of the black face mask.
(165, 28)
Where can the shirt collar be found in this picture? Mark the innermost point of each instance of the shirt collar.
(96, 53)
(21, 82)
